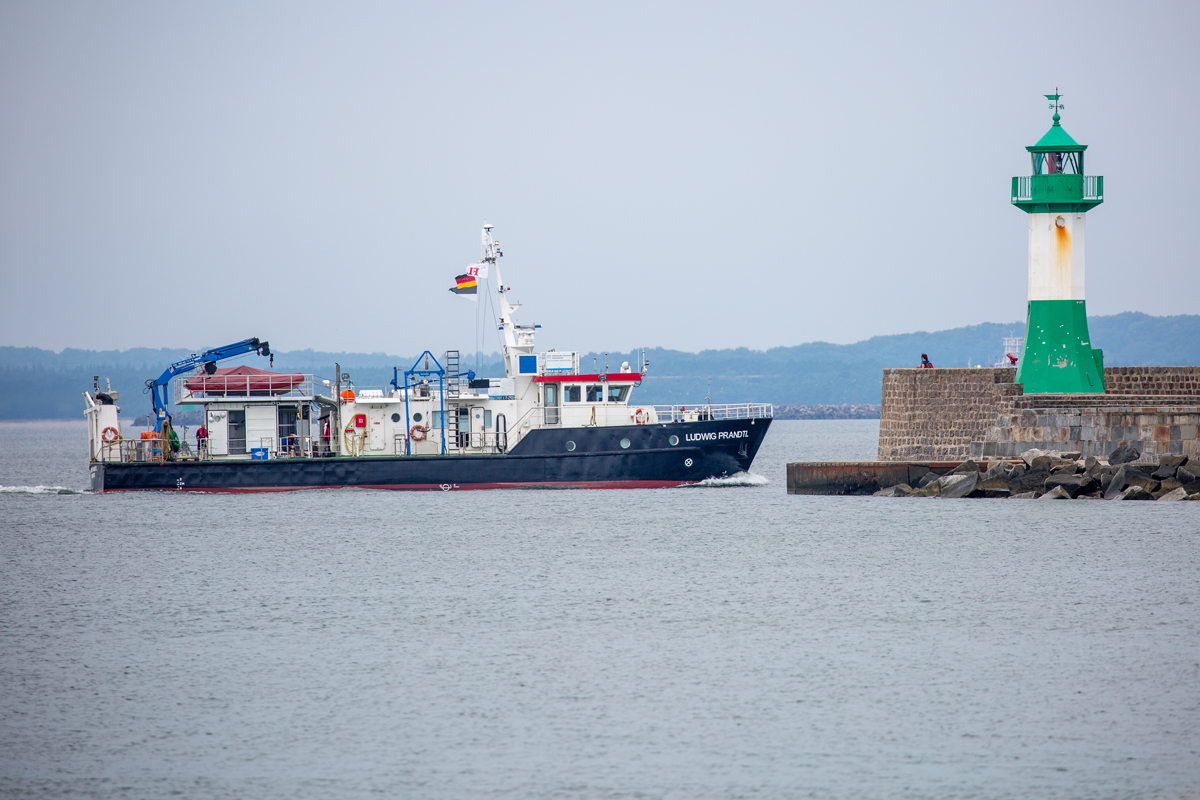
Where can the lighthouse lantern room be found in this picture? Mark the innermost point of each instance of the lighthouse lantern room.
(1058, 356)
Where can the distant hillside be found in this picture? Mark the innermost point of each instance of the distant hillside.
(42, 384)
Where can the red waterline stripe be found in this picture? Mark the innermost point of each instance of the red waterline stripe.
(432, 487)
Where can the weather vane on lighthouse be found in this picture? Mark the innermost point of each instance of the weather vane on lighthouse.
(1058, 355)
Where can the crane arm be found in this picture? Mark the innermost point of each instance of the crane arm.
(208, 359)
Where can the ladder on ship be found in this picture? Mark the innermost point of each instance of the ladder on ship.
(450, 361)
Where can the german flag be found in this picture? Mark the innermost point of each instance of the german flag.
(466, 286)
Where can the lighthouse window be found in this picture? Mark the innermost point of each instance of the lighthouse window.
(572, 394)
(617, 394)
(595, 393)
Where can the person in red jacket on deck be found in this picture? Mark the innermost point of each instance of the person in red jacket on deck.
(925, 362)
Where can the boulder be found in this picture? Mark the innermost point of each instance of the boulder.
(959, 485)
(1049, 462)
(1029, 482)
(1193, 487)
(1105, 477)
(1164, 472)
(899, 490)
(997, 470)
(1029, 455)
(931, 489)
(1116, 484)
(1172, 461)
(1091, 496)
(1066, 469)
(1018, 470)
(1057, 493)
(1123, 455)
(1073, 455)
(1023, 496)
(1091, 464)
(1135, 478)
(1135, 493)
(927, 478)
(1186, 475)
(1174, 494)
(993, 484)
(1145, 469)
(1195, 496)
(1073, 485)
(965, 468)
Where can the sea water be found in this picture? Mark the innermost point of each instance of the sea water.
(720, 641)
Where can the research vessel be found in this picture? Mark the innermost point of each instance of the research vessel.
(548, 422)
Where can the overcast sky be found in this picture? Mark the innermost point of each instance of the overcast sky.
(681, 175)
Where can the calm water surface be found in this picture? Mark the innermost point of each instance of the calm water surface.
(724, 641)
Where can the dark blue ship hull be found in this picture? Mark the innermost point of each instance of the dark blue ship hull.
(543, 458)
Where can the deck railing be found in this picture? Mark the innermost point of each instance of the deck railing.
(1058, 188)
(703, 413)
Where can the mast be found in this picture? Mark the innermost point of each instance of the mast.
(518, 339)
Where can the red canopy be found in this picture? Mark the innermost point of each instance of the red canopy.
(244, 381)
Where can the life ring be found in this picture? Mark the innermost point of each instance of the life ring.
(417, 433)
(110, 434)
(641, 416)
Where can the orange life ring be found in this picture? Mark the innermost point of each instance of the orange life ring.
(641, 417)
(110, 434)
(417, 433)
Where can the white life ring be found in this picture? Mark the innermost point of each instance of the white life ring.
(641, 416)
(417, 433)
(110, 434)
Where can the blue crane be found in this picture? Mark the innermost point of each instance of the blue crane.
(208, 359)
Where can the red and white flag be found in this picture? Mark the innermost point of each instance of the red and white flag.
(478, 270)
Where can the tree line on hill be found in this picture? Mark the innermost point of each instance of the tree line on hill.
(43, 384)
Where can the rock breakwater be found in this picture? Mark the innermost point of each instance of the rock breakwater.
(1057, 475)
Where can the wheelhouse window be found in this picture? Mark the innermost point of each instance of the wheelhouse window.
(572, 394)
(595, 393)
(617, 394)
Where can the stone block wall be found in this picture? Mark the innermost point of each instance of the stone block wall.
(935, 414)
(1095, 428)
(1152, 380)
(948, 414)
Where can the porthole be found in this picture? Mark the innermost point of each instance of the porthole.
(674, 440)
(417, 417)
(624, 444)
(1060, 222)
(395, 417)
(570, 445)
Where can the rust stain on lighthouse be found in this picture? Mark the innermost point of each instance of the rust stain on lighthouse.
(1062, 256)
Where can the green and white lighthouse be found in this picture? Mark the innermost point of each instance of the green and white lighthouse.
(1057, 356)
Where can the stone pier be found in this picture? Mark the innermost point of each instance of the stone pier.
(947, 414)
